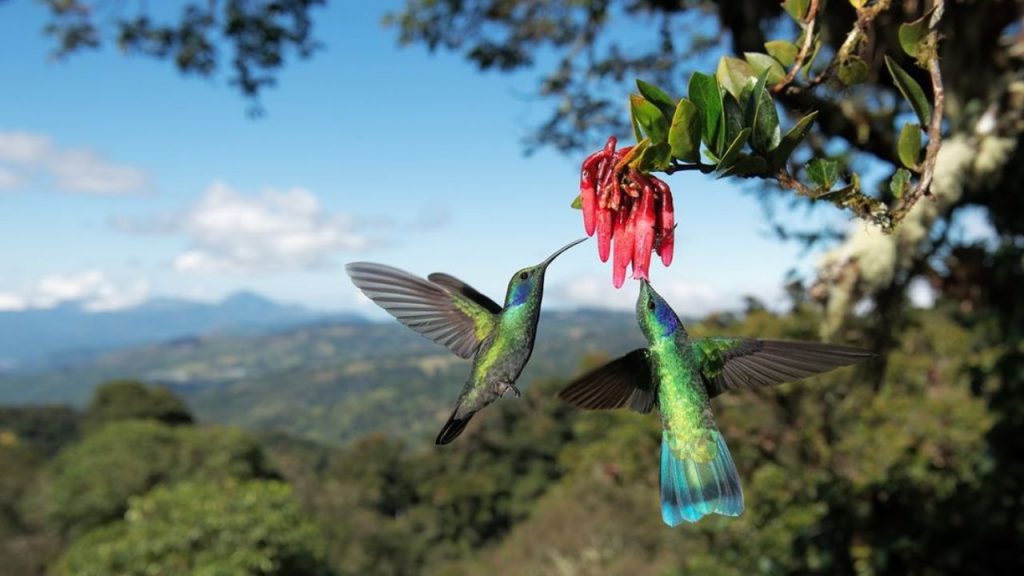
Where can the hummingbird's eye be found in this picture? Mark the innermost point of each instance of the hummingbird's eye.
(651, 305)
(524, 275)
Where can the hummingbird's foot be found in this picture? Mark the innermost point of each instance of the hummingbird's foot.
(515, 390)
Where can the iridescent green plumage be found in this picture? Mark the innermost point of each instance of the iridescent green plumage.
(680, 376)
(445, 309)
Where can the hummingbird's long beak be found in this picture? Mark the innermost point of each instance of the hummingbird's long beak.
(551, 258)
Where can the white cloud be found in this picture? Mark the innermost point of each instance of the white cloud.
(30, 157)
(10, 302)
(272, 231)
(686, 298)
(24, 147)
(91, 289)
(9, 179)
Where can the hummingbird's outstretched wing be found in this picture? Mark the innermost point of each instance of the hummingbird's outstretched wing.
(743, 363)
(445, 317)
(625, 381)
(453, 284)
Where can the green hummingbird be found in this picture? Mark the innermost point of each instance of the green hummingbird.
(680, 376)
(445, 309)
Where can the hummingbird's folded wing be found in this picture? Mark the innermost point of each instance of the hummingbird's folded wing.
(623, 382)
(446, 317)
(453, 284)
(744, 363)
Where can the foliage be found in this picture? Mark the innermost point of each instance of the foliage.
(133, 400)
(261, 35)
(91, 482)
(243, 528)
(45, 428)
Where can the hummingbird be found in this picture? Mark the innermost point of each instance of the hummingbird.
(680, 376)
(450, 312)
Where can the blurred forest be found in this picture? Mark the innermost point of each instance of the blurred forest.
(913, 464)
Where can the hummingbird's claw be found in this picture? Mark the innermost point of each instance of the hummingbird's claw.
(516, 390)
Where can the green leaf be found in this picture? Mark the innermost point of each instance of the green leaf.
(684, 133)
(909, 146)
(760, 116)
(658, 97)
(792, 139)
(654, 157)
(797, 9)
(733, 151)
(747, 166)
(911, 90)
(913, 34)
(809, 62)
(733, 117)
(823, 172)
(853, 71)
(652, 122)
(633, 156)
(577, 203)
(706, 95)
(900, 183)
(765, 64)
(733, 74)
(782, 50)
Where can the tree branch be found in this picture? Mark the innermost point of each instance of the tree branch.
(805, 50)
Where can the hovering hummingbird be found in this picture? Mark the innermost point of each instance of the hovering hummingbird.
(680, 376)
(450, 312)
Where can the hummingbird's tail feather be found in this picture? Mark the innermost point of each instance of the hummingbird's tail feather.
(691, 490)
(453, 427)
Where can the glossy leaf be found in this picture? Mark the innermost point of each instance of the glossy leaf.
(706, 95)
(658, 97)
(733, 74)
(782, 50)
(792, 139)
(733, 151)
(900, 183)
(823, 172)
(654, 157)
(909, 146)
(685, 132)
(650, 119)
(797, 9)
(747, 166)
(765, 64)
(733, 117)
(911, 90)
(853, 71)
(760, 116)
(913, 34)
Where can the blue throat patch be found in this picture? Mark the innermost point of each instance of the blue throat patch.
(666, 319)
(521, 294)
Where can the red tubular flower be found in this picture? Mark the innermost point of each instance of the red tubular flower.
(667, 221)
(625, 227)
(644, 235)
(605, 231)
(626, 207)
(588, 189)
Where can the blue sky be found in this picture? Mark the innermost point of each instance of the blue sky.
(121, 180)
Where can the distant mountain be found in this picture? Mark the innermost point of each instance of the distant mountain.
(332, 381)
(68, 334)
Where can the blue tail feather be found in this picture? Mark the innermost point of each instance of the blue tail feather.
(691, 490)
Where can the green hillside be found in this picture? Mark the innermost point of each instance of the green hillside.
(331, 383)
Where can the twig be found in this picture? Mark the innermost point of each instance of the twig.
(681, 167)
(924, 187)
(805, 50)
